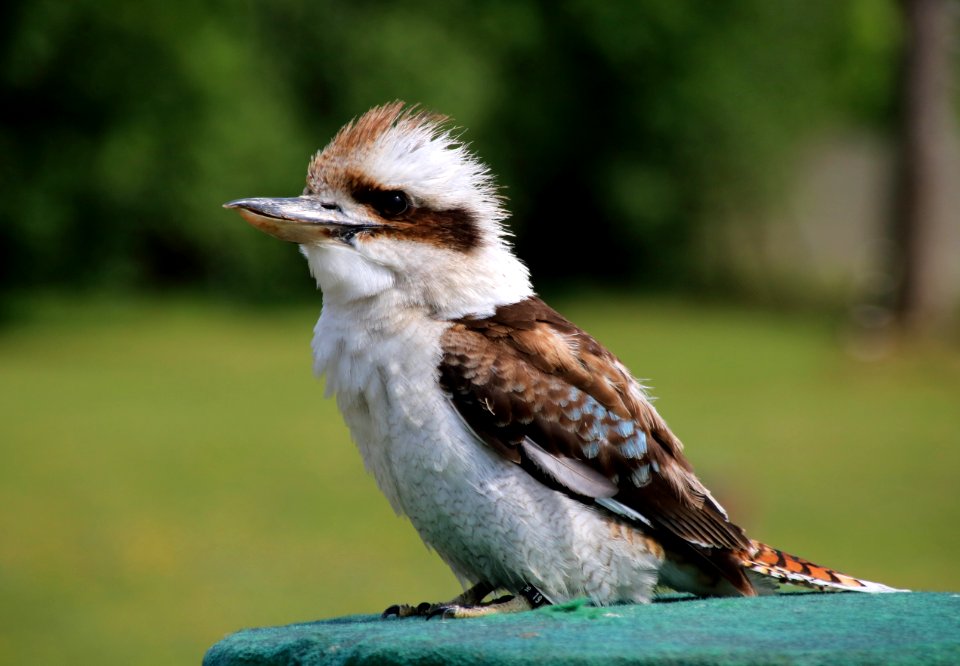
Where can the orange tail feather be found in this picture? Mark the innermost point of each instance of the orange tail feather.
(787, 568)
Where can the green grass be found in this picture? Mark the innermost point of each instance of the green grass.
(172, 472)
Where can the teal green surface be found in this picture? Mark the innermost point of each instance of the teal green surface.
(905, 628)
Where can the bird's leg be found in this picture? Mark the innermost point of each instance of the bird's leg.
(505, 604)
(528, 598)
(469, 598)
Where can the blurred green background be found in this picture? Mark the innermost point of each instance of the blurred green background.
(714, 180)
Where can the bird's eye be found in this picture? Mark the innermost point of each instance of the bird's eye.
(388, 203)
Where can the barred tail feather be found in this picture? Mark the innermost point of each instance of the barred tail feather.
(788, 568)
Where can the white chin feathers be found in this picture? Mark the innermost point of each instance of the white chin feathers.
(345, 275)
(445, 283)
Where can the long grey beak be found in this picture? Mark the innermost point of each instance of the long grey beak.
(305, 219)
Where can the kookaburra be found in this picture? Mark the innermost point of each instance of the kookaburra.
(523, 452)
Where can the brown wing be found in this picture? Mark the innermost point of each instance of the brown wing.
(548, 397)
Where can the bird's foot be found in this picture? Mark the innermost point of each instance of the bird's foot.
(406, 610)
(470, 597)
(470, 604)
(506, 604)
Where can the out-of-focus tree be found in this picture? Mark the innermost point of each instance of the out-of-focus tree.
(925, 126)
(123, 126)
(619, 128)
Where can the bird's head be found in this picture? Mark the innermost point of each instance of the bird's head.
(396, 205)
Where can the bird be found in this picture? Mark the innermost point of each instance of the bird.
(524, 453)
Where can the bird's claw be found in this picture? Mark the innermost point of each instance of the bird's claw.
(469, 604)
(443, 611)
(406, 610)
(428, 611)
(391, 611)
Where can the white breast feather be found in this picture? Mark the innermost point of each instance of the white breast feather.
(485, 516)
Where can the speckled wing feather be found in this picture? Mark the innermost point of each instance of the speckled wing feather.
(550, 398)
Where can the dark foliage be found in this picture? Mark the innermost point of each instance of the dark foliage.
(617, 128)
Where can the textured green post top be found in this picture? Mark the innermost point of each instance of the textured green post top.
(831, 628)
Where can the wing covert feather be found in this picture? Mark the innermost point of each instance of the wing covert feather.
(547, 396)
